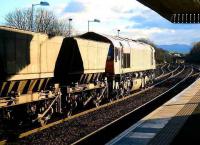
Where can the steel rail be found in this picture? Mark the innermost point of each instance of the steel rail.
(163, 75)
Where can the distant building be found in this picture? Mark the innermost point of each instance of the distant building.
(178, 57)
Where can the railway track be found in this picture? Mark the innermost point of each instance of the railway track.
(166, 74)
(107, 132)
(160, 71)
(74, 123)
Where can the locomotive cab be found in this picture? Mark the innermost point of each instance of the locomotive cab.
(130, 64)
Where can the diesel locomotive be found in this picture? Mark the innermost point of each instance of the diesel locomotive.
(41, 75)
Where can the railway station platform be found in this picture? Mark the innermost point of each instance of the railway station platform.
(164, 124)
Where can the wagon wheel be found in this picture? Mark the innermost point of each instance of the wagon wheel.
(120, 94)
(96, 103)
(43, 121)
(69, 113)
(117, 97)
(73, 106)
(97, 99)
(111, 100)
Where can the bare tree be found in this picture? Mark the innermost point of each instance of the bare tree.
(147, 41)
(20, 19)
(44, 21)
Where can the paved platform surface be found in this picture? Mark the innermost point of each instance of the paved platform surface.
(162, 125)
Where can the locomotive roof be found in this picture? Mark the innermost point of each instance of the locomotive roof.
(114, 40)
(104, 37)
(14, 29)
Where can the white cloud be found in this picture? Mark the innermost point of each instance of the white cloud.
(114, 14)
(118, 14)
(179, 36)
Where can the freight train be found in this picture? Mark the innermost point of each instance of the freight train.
(41, 75)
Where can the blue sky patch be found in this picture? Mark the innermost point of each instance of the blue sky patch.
(143, 22)
(74, 6)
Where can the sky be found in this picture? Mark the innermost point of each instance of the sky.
(132, 18)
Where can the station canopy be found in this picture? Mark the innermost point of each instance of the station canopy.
(176, 11)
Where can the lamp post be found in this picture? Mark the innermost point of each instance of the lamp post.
(118, 32)
(95, 20)
(32, 10)
(70, 19)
